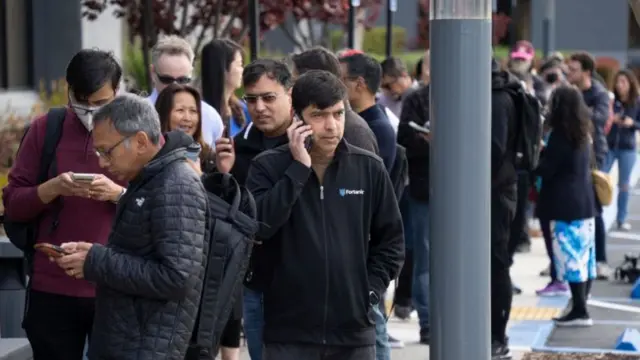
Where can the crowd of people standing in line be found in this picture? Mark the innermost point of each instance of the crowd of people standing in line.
(320, 140)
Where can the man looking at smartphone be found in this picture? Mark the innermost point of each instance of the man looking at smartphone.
(60, 309)
(149, 274)
(362, 75)
(328, 277)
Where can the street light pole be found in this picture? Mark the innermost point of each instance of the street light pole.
(460, 213)
(392, 7)
(351, 40)
(254, 23)
(548, 27)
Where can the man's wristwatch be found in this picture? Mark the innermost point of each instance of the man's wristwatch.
(117, 200)
(374, 299)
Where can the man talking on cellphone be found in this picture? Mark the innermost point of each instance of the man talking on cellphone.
(318, 201)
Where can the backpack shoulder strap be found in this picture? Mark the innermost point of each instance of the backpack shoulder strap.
(53, 133)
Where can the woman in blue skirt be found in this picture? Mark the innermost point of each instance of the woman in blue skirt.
(567, 198)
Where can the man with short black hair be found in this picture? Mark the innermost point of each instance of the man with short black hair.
(60, 309)
(396, 84)
(504, 125)
(362, 74)
(330, 277)
(267, 91)
(356, 130)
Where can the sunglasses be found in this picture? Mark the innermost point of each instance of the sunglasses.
(167, 80)
(267, 98)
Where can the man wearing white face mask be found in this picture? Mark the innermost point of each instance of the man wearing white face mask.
(65, 207)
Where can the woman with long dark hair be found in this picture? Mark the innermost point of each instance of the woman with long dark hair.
(622, 138)
(567, 198)
(179, 109)
(221, 75)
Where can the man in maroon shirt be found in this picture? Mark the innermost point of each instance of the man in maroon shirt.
(60, 308)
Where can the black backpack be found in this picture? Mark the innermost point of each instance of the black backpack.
(233, 224)
(528, 128)
(23, 234)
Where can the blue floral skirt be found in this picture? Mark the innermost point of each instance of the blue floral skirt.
(574, 250)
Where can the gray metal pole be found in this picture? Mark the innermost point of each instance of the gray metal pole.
(460, 178)
(254, 24)
(548, 27)
(351, 24)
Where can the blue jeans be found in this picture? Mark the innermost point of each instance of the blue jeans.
(416, 225)
(626, 160)
(383, 351)
(253, 322)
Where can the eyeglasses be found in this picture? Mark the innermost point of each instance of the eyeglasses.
(167, 79)
(267, 98)
(106, 154)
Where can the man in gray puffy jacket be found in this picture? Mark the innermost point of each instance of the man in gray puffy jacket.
(149, 275)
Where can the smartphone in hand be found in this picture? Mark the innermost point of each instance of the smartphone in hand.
(50, 250)
(79, 177)
(419, 128)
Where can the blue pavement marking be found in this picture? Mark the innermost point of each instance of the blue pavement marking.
(525, 333)
(556, 302)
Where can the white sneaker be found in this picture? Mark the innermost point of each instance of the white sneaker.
(395, 343)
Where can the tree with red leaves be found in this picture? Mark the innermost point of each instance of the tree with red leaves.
(196, 19)
(500, 23)
(319, 15)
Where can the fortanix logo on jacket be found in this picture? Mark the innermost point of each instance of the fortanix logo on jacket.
(343, 192)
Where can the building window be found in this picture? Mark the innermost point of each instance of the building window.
(15, 42)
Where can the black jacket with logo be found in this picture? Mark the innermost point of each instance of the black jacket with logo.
(338, 240)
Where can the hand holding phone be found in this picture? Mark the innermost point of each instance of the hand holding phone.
(298, 134)
(225, 155)
(53, 251)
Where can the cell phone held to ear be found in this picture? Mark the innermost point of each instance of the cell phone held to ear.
(50, 250)
(308, 141)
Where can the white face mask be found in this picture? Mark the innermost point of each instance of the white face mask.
(84, 113)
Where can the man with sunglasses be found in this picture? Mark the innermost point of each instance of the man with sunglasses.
(172, 62)
(60, 309)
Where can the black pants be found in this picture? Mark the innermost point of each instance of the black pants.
(57, 326)
(545, 227)
(519, 232)
(502, 210)
(316, 352)
(402, 295)
(601, 232)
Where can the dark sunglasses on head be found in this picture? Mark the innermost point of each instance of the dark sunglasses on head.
(166, 79)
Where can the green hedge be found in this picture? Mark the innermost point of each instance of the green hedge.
(374, 41)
